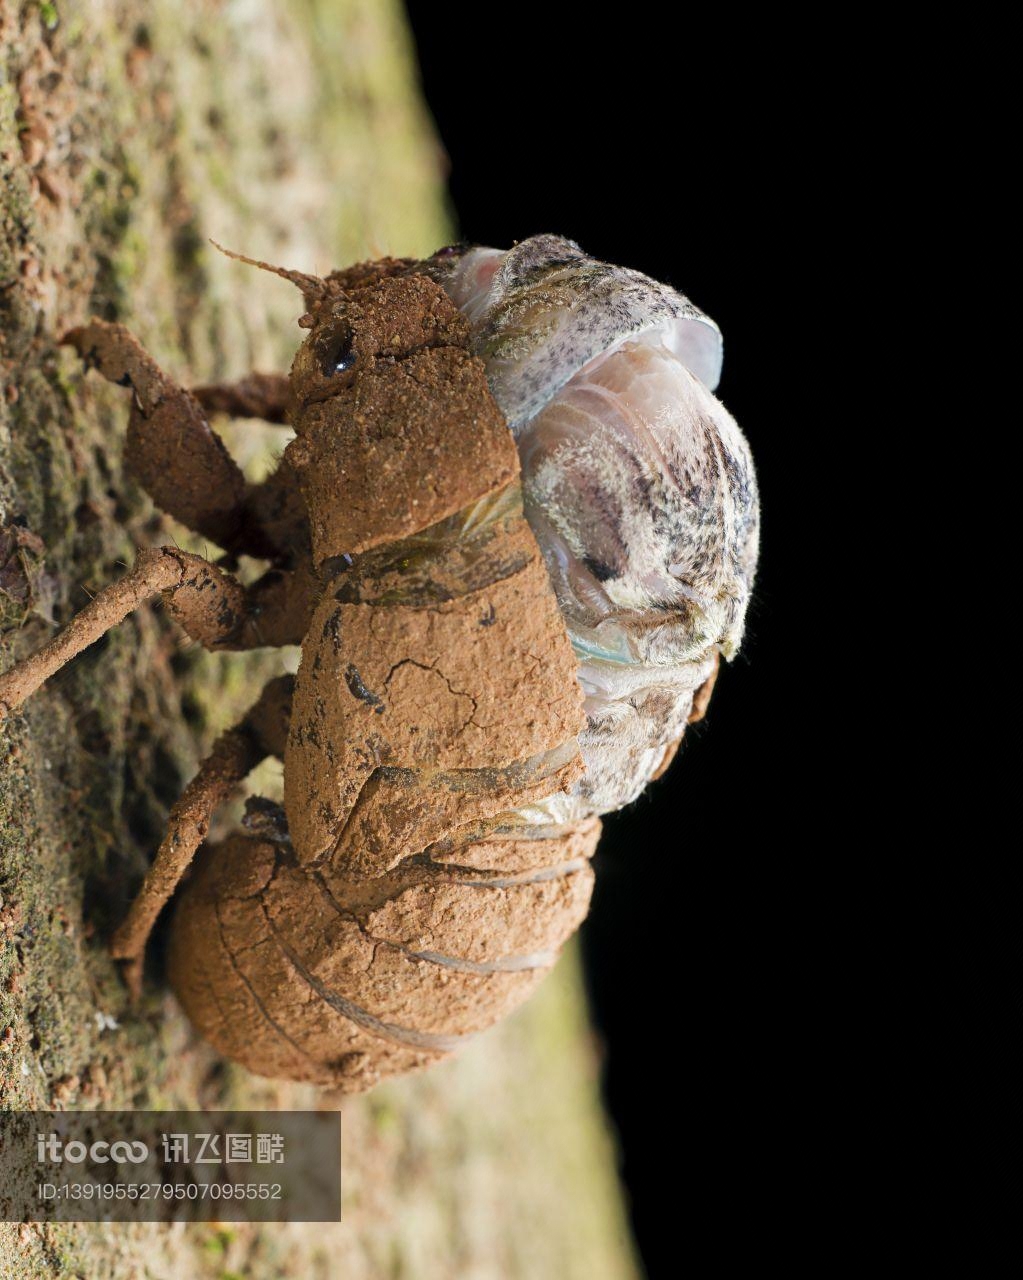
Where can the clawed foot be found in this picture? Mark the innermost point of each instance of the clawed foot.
(120, 358)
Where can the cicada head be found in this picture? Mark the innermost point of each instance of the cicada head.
(364, 316)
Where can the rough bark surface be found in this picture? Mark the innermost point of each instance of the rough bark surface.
(129, 133)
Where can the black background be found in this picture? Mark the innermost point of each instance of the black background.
(709, 154)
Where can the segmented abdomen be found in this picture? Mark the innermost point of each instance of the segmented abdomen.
(292, 980)
(412, 905)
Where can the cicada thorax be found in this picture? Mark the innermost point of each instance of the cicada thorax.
(412, 903)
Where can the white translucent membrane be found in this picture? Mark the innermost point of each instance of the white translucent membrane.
(693, 337)
(639, 487)
(468, 285)
(694, 343)
(640, 490)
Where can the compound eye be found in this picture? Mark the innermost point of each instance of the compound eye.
(338, 354)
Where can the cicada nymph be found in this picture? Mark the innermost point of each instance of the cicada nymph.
(513, 534)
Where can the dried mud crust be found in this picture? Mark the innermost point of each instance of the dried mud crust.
(437, 695)
(305, 979)
(393, 416)
(478, 688)
(476, 684)
(472, 699)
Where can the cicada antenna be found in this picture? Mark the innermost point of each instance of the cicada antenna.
(311, 286)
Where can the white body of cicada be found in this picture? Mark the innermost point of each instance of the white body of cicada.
(638, 484)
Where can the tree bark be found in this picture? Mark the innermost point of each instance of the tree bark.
(130, 132)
